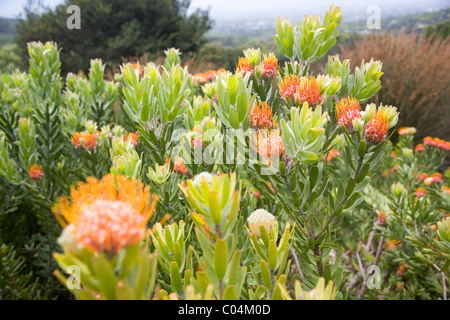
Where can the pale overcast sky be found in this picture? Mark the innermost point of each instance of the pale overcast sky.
(253, 8)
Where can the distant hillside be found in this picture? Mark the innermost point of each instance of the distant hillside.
(418, 21)
(233, 29)
(7, 30)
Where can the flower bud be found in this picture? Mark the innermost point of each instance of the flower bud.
(398, 189)
(443, 229)
(258, 218)
(202, 176)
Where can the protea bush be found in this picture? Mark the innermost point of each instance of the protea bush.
(263, 182)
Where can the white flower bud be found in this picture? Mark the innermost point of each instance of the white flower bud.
(199, 178)
(259, 218)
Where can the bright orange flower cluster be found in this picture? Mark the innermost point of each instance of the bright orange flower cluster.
(419, 148)
(270, 68)
(131, 137)
(179, 167)
(137, 68)
(382, 218)
(333, 154)
(346, 111)
(434, 178)
(86, 140)
(393, 244)
(300, 90)
(35, 172)
(110, 187)
(244, 66)
(420, 192)
(436, 142)
(209, 75)
(403, 131)
(308, 91)
(377, 128)
(108, 226)
(289, 86)
(271, 147)
(261, 117)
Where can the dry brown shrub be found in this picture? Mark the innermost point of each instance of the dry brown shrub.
(416, 78)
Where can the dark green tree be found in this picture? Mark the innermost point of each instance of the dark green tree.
(113, 29)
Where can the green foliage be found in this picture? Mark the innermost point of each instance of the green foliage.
(9, 58)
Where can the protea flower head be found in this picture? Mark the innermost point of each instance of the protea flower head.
(346, 111)
(308, 91)
(179, 167)
(133, 138)
(419, 148)
(258, 218)
(272, 146)
(35, 172)
(244, 66)
(86, 139)
(108, 226)
(110, 187)
(289, 86)
(377, 128)
(420, 192)
(437, 143)
(403, 131)
(261, 117)
(270, 69)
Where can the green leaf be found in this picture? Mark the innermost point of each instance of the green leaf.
(220, 259)
(362, 148)
(175, 277)
(230, 293)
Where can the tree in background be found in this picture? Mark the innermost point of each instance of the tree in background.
(114, 29)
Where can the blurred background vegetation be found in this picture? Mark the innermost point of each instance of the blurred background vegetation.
(414, 48)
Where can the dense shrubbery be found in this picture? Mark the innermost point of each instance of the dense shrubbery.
(261, 183)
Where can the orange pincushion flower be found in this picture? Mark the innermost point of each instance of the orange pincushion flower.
(76, 139)
(137, 69)
(244, 66)
(346, 111)
(377, 128)
(437, 177)
(118, 188)
(420, 192)
(197, 141)
(179, 167)
(131, 137)
(436, 142)
(261, 117)
(308, 91)
(35, 172)
(419, 148)
(382, 218)
(90, 141)
(333, 154)
(85, 140)
(270, 69)
(108, 226)
(271, 147)
(393, 244)
(289, 86)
